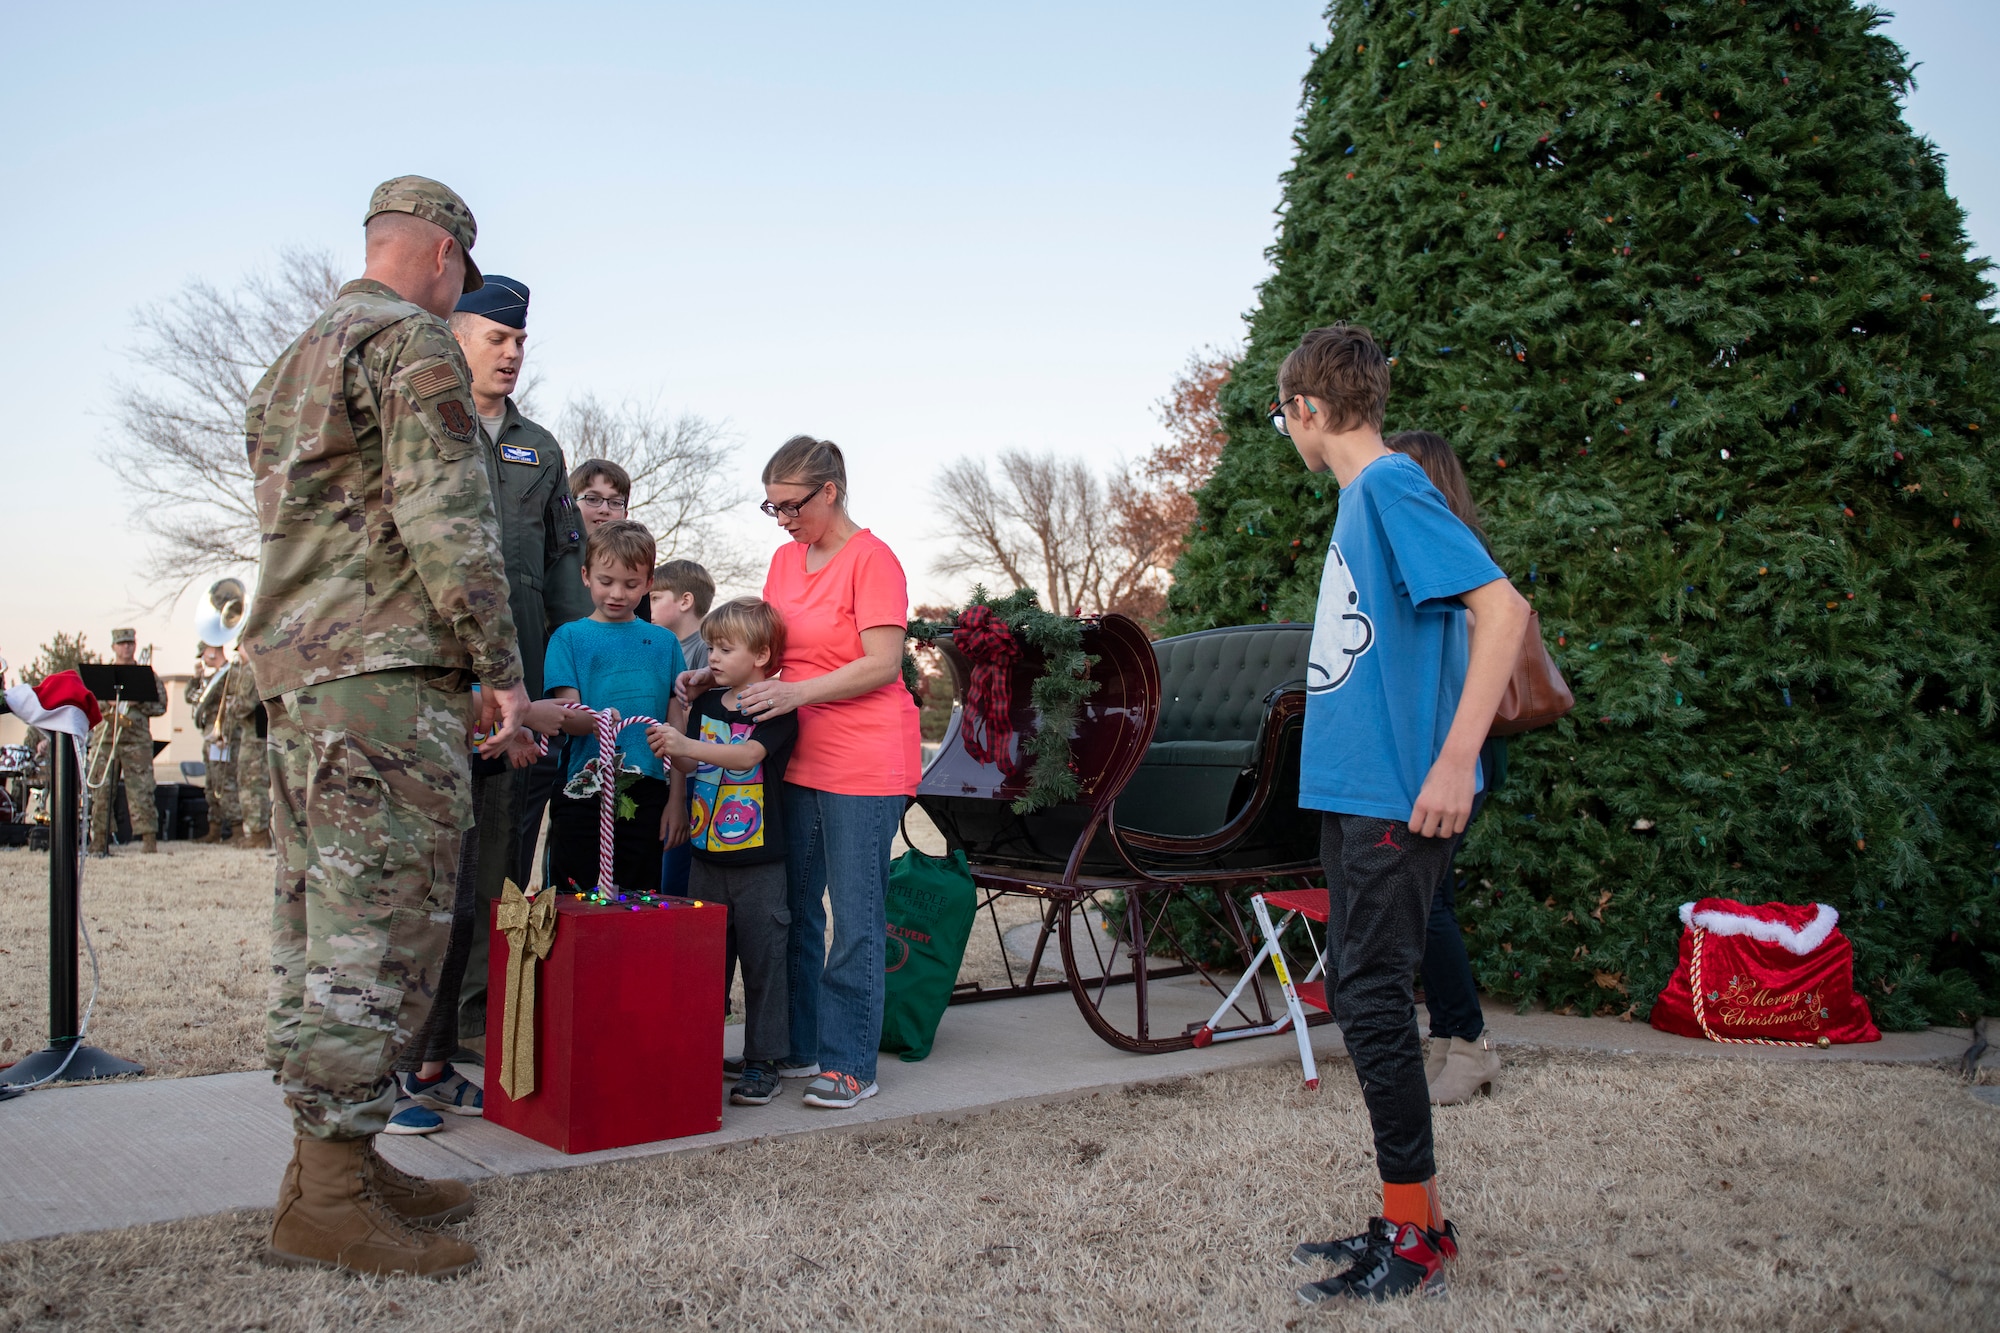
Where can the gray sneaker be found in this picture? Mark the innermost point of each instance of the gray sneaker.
(837, 1091)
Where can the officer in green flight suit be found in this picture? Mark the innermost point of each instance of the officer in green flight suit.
(542, 539)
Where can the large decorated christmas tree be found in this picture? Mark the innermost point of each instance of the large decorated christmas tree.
(1697, 310)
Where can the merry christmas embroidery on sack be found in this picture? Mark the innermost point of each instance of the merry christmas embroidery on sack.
(1338, 640)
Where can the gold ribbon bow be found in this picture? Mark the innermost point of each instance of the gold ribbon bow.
(530, 926)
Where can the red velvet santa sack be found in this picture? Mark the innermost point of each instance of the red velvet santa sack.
(1765, 975)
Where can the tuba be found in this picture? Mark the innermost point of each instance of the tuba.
(219, 619)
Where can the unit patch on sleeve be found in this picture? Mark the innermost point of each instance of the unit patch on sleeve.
(457, 421)
(514, 453)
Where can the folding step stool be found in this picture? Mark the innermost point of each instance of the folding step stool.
(1312, 905)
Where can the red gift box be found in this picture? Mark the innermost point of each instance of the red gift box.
(628, 1026)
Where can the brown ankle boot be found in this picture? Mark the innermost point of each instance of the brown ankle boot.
(418, 1201)
(1470, 1068)
(152, 841)
(213, 833)
(1434, 1058)
(331, 1216)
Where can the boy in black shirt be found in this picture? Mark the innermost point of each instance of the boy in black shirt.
(736, 826)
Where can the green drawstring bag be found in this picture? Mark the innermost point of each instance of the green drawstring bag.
(932, 902)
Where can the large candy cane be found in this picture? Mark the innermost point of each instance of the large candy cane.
(607, 792)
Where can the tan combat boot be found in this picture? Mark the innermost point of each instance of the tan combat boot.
(100, 845)
(258, 841)
(1470, 1068)
(152, 841)
(420, 1202)
(213, 833)
(330, 1215)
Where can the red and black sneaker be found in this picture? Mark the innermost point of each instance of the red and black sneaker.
(1346, 1249)
(1412, 1262)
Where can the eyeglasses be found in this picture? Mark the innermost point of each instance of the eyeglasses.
(589, 501)
(1278, 414)
(791, 508)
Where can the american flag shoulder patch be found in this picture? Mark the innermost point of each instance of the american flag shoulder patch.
(434, 379)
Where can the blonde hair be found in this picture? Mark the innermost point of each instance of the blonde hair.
(622, 542)
(748, 622)
(805, 461)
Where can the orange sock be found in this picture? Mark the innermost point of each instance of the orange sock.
(1413, 1203)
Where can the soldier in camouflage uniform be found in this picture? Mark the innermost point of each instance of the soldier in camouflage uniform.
(132, 724)
(219, 784)
(381, 594)
(249, 755)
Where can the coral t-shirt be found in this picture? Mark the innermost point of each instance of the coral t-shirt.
(867, 745)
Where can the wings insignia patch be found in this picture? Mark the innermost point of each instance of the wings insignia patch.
(435, 379)
(457, 421)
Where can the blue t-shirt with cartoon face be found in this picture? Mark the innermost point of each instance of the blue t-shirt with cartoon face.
(1390, 645)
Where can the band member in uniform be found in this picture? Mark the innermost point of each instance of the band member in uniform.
(204, 695)
(127, 728)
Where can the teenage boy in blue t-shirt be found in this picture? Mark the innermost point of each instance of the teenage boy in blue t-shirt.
(1401, 687)
(610, 661)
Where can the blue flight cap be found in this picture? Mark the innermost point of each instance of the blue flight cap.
(502, 300)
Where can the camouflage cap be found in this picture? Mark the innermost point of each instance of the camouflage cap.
(437, 204)
(124, 636)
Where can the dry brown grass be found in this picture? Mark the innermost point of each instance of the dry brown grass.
(1594, 1192)
(183, 942)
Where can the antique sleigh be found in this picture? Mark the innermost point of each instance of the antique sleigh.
(1187, 756)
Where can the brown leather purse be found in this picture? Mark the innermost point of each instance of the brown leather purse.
(1536, 693)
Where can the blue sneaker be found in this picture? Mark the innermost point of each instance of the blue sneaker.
(450, 1091)
(411, 1118)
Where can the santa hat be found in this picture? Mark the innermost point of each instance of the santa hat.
(58, 703)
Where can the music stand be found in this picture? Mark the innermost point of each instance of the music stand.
(135, 684)
(116, 683)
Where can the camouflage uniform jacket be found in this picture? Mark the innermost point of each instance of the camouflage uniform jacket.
(239, 697)
(540, 534)
(381, 546)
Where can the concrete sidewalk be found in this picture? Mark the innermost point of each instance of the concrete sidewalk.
(98, 1156)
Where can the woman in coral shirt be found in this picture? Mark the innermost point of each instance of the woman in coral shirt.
(845, 604)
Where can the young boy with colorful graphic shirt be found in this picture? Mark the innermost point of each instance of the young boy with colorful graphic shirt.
(613, 662)
(1401, 688)
(737, 826)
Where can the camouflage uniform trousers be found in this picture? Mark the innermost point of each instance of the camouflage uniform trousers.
(219, 787)
(370, 798)
(250, 758)
(135, 761)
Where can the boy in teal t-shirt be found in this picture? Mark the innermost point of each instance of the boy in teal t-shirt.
(610, 662)
(1401, 687)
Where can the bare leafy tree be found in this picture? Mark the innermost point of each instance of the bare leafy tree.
(178, 447)
(679, 467)
(1051, 524)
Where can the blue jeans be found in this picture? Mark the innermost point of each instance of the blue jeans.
(838, 851)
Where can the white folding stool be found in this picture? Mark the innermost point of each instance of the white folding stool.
(1310, 904)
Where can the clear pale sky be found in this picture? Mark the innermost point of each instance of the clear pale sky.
(921, 230)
